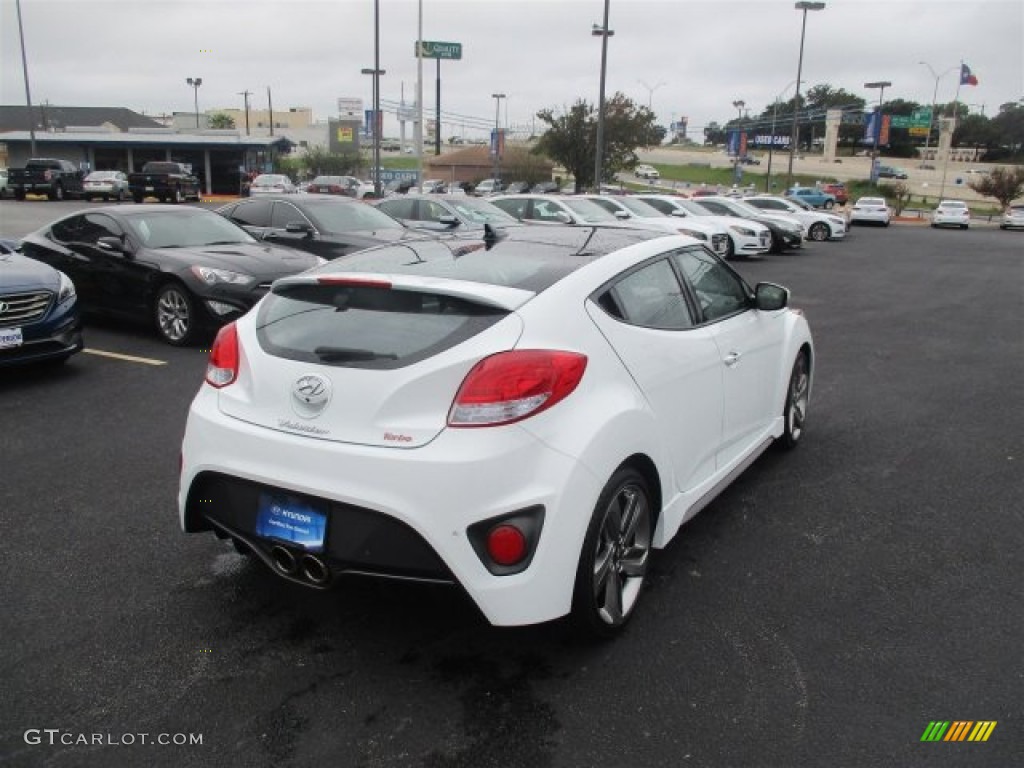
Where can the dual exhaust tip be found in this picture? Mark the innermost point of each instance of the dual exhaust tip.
(310, 567)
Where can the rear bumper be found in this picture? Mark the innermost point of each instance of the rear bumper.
(399, 512)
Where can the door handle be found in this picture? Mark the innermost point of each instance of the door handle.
(732, 358)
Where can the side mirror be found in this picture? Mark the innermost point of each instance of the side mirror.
(621, 215)
(298, 227)
(563, 217)
(449, 221)
(110, 243)
(770, 297)
(681, 214)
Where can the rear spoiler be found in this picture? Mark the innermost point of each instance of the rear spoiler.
(498, 296)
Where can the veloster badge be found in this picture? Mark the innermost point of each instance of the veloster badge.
(310, 395)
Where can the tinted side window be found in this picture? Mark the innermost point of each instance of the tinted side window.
(96, 226)
(650, 296)
(400, 209)
(286, 213)
(662, 205)
(717, 208)
(255, 213)
(68, 230)
(720, 291)
(514, 206)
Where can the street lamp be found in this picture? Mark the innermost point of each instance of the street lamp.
(604, 33)
(497, 135)
(805, 7)
(881, 85)
(771, 143)
(739, 105)
(377, 72)
(195, 82)
(650, 95)
(935, 94)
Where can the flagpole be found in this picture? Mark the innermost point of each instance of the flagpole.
(949, 150)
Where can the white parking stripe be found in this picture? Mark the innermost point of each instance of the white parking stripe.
(127, 358)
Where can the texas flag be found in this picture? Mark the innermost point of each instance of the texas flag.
(966, 78)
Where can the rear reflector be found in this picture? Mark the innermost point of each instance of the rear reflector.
(222, 367)
(511, 386)
(506, 545)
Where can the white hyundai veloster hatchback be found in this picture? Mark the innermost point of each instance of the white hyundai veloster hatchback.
(525, 415)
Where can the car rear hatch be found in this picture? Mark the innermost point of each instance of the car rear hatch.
(364, 359)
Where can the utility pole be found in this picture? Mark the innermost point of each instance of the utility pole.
(270, 108)
(246, 95)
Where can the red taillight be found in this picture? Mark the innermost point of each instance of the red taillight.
(506, 545)
(222, 367)
(511, 386)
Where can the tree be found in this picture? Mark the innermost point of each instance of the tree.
(319, 161)
(222, 120)
(1004, 184)
(571, 137)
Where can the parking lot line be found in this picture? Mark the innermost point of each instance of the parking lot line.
(127, 358)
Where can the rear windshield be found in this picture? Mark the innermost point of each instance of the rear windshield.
(366, 327)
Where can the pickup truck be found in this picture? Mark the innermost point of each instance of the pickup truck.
(812, 196)
(46, 176)
(167, 181)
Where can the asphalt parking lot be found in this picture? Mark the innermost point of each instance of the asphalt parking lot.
(822, 611)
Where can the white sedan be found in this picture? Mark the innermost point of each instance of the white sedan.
(1013, 218)
(271, 184)
(630, 208)
(952, 213)
(746, 237)
(819, 225)
(871, 210)
(525, 415)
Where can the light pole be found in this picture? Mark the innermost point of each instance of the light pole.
(771, 144)
(497, 135)
(376, 125)
(604, 33)
(195, 82)
(28, 93)
(931, 115)
(881, 85)
(805, 7)
(246, 94)
(650, 95)
(739, 105)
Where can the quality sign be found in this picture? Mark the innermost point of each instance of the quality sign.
(432, 49)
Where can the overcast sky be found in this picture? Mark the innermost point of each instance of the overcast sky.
(688, 57)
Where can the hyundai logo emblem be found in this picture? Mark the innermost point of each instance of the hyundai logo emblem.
(310, 395)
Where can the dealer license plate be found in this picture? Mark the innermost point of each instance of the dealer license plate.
(10, 337)
(288, 519)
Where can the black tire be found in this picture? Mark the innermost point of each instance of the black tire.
(829, 204)
(818, 232)
(106, 198)
(794, 411)
(730, 251)
(57, 193)
(963, 226)
(777, 245)
(614, 559)
(120, 195)
(175, 314)
(138, 198)
(87, 198)
(19, 194)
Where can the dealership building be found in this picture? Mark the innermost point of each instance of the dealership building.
(114, 138)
